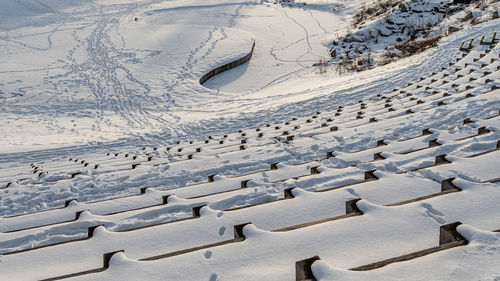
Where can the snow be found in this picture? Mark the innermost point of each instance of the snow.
(376, 33)
(457, 263)
(107, 128)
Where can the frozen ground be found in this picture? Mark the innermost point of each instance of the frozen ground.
(110, 143)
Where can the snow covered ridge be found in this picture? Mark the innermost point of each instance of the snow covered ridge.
(381, 181)
(384, 28)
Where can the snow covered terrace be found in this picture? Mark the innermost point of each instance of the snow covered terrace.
(116, 163)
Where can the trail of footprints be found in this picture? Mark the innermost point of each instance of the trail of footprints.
(327, 191)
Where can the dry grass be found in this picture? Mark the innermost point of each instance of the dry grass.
(407, 49)
(389, 56)
(355, 64)
(416, 46)
(373, 10)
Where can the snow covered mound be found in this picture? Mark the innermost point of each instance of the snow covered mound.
(388, 173)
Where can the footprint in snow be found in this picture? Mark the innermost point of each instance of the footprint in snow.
(208, 254)
(222, 230)
(433, 213)
(353, 193)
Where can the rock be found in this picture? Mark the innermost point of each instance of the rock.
(452, 29)
(357, 38)
(403, 7)
(397, 19)
(468, 17)
(385, 31)
(453, 9)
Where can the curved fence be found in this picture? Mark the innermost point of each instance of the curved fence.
(227, 66)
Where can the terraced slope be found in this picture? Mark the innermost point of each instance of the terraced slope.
(380, 188)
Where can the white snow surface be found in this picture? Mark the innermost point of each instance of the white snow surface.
(109, 143)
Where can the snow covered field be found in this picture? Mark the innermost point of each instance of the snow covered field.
(110, 145)
(128, 79)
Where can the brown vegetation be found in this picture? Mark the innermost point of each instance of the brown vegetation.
(373, 10)
(408, 48)
(416, 46)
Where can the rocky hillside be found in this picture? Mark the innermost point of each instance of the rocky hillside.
(384, 31)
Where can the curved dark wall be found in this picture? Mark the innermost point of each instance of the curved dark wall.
(227, 66)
